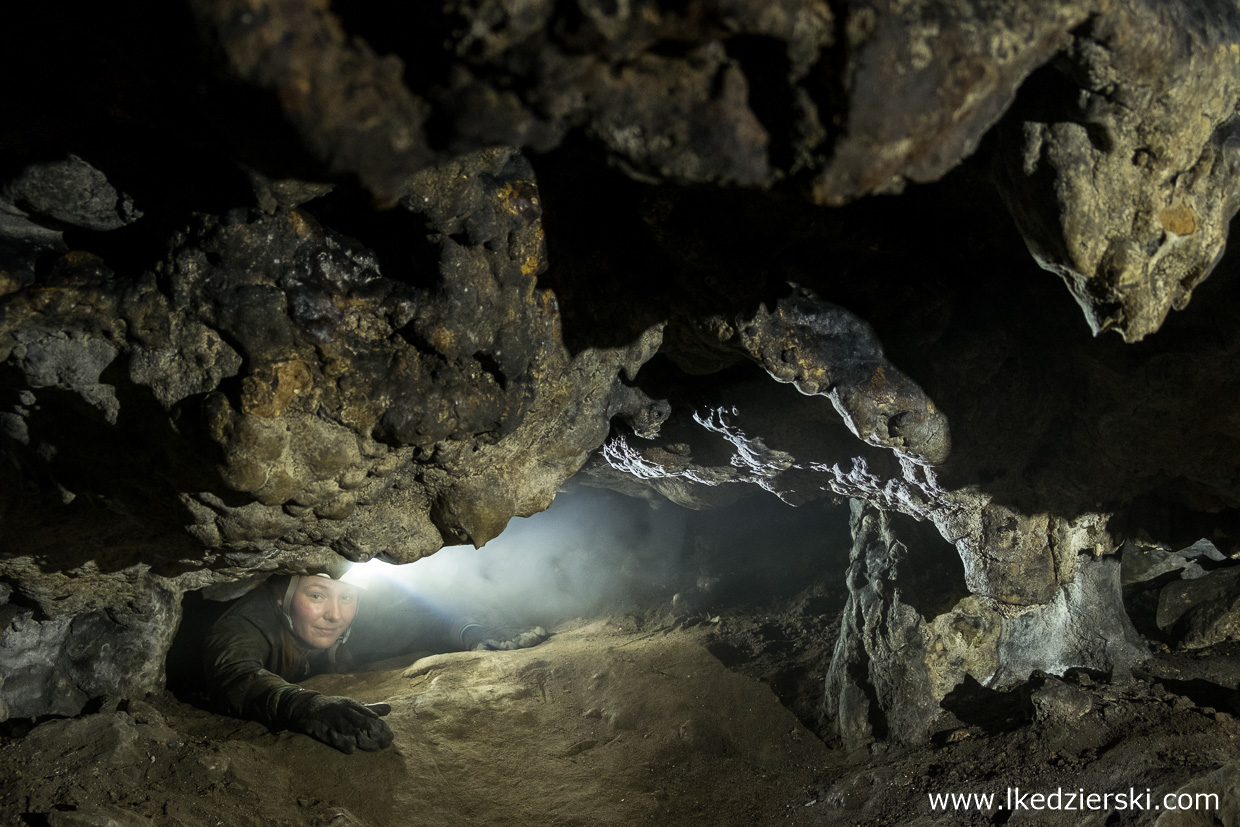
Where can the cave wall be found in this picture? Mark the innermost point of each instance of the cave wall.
(912, 633)
(281, 281)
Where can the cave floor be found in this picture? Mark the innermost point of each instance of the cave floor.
(620, 721)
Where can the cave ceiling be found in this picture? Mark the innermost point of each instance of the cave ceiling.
(281, 280)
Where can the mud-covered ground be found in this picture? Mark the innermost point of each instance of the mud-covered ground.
(609, 722)
(637, 720)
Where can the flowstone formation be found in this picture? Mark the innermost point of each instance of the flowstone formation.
(315, 284)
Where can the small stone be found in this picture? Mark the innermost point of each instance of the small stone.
(1058, 702)
(1179, 219)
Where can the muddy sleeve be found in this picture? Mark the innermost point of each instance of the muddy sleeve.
(390, 624)
(238, 681)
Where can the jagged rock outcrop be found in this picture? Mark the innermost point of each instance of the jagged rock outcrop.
(1120, 164)
(276, 379)
(863, 97)
(1202, 611)
(922, 82)
(57, 666)
(912, 633)
(314, 284)
(896, 657)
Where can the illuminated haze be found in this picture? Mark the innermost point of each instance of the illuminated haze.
(592, 552)
(595, 552)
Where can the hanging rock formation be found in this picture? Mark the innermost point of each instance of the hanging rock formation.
(1120, 164)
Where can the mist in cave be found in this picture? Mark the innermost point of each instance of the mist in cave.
(592, 552)
(596, 551)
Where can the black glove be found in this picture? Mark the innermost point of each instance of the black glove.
(339, 722)
(477, 637)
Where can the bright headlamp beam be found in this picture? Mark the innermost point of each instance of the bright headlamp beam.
(364, 575)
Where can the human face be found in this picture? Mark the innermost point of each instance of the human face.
(322, 610)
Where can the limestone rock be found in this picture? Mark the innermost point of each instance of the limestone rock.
(1083, 625)
(54, 666)
(924, 81)
(1218, 789)
(1203, 611)
(347, 104)
(897, 656)
(1120, 168)
(1056, 702)
(324, 383)
(70, 191)
(22, 242)
(284, 282)
(911, 636)
(317, 401)
(824, 349)
(1202, 548)
(1141, 565)
(731, 92)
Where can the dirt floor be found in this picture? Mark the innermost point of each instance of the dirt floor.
(631, 720)
(606, 723)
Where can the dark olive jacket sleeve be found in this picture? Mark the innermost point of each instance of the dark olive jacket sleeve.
(240, 654)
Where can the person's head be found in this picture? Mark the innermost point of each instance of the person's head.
(319, 609)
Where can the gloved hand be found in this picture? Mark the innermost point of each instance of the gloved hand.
(339, 722)
(477, 637)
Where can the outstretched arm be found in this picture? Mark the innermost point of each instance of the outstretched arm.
(239, 683)
(235, 658)
(394, 622)
(476, 637)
